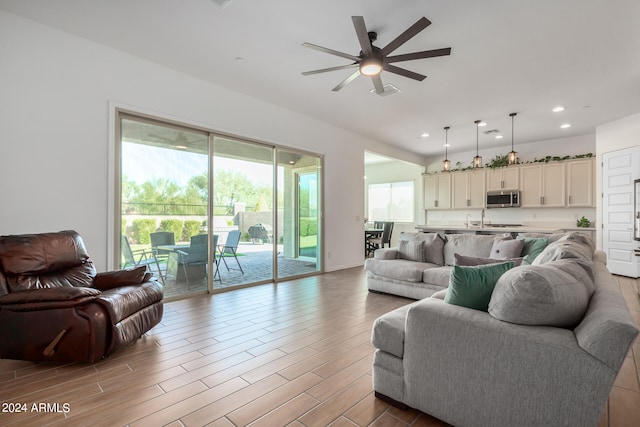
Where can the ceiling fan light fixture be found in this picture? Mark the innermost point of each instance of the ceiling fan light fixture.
(370, 67)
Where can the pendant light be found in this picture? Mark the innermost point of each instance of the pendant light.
(446, 163)
(513, 156)
(477, 160)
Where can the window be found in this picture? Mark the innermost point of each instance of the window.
(391, 201)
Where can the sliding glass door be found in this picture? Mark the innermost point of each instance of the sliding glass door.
(300, 220)
(206, 212)
(164, 199)
(243, 206)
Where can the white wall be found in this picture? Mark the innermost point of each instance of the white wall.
(55, 99)
(617, 135)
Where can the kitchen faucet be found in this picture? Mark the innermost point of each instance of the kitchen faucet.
(468, 220)
(482, 219)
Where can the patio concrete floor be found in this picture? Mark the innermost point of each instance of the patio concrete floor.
(256, 262)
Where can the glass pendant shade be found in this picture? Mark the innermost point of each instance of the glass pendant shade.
(477, 160)
(446, 163)
(513, 156)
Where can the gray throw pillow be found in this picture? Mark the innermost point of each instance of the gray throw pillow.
(554, 294)
(473, 260)
(411, 250)
(503, 249)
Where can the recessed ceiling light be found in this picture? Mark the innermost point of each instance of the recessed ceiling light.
(424, 135)
(482, 124)
(499, 136)
(558, 109)
(565, 126)
(447, 145)
(181, 147)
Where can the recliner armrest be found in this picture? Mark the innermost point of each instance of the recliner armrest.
(114, 279)
(47, 298)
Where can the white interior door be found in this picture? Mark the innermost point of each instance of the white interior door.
(620, 169)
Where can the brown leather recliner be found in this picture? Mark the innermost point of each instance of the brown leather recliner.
(55, 307)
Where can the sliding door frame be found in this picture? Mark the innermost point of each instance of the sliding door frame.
(119, 111)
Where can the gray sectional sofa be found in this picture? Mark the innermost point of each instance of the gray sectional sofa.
(420, 273)
(544, 351)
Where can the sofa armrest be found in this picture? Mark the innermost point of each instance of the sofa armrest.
(454, 354)
(386, 253)
(47, 298)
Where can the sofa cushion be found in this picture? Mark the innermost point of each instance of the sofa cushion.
(472, 287)
(552, 294)
(433, 245)
(467, 244)
(506, 248)
(532, 247)
(412, 251)
(473, 260)
(573, 245)
(437, 276)
(399, 269)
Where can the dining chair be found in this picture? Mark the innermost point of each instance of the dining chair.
(384, 239)
(134, 258)
(230, 248)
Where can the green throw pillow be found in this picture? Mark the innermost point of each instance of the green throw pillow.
(472, 287)
(533, 246)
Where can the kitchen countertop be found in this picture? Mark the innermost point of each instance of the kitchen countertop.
(506, 229)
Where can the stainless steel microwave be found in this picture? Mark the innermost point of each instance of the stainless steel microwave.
(503, 199)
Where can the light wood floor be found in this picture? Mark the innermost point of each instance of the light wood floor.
(298, 353)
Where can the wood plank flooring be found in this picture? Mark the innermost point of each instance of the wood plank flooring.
(297, 353)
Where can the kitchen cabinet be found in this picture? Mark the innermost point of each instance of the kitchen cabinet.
(468, 189)
(437, 191)
(507, 178)
(542, 185)
(581, 183)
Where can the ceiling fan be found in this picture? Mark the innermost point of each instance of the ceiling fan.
(372, 60)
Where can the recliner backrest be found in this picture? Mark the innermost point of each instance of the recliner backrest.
(47, 260)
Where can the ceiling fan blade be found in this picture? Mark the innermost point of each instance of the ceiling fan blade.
(363, 36)
(324, 70)
(332, 52)
(420, 25)
(403, 72)
(420, 55)
(377, 83)
(346, 81)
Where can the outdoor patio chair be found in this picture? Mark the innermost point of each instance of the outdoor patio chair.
(162, 238)
(133, 258)
(193, 260)
(230, 248)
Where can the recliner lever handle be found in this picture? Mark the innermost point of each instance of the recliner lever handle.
(51, 348)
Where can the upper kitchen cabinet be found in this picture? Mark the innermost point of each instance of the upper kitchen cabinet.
(468, 189)
(507, 178)
(581, 183)
(542, 185)
(437, 191)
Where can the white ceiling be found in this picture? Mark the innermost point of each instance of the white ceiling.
(507, 56)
